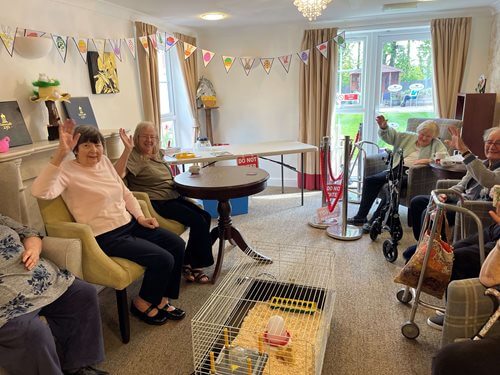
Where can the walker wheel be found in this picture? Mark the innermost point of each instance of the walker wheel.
(390, 250)
(375, 230)
(400, 295)
(410, 330)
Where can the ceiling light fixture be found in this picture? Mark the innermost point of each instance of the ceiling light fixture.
(214, 16)
(311, 9)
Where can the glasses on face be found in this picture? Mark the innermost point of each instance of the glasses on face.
(493, 143)
(152, 137)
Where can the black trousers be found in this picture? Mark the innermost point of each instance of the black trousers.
(199, 247)
(27, 344)
(161, 252)
(418, 209)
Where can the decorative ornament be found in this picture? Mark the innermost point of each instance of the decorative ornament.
(481, 84)
(311, 9)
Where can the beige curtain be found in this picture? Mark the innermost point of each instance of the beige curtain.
(148, 72)
(315, 98)
(190, 70)
(450, 44)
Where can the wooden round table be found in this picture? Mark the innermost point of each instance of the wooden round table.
(453, 172)
(222, 184)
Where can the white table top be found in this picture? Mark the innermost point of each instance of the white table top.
(230, 152)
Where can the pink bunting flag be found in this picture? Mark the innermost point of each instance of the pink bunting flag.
(247, 63)
(33, 33)
(267, 63)
(8, 36)
(152, 39)
(323, 49)
(144, 42)
(61, 43)
(285, 61)
(228, 62)
(170, 41)
(304, 56)
(100, 46)
(130, 42)
(116, 46)
(207, 56)
(188, 50)
(82, 47)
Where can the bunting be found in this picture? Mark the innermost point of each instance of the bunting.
(160, 40)
(323, 49)
(304, 56)
(188, 50)
(340, 39)
(170, 41)
(34, 33)
(207, 56)
(82, 47)
(61, 43)
(152, 39)
(8, 36)
(144, 42)
(130, 42)
(116, 46)
(267, 63)
(228, 62)
(100, 46)
(247, 63)
(285, 61)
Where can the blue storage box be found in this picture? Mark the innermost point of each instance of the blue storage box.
(239, 206)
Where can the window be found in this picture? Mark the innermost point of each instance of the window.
(167, 107)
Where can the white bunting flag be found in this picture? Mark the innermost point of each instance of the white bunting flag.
(116, 46)
(207, 56)
(285, 61)
(267, 63)
(323, 48)
(100, 46)
(247, 63)
(82, 47)
(130, 42)
(61, 43)
(188, 50)
(228, 62)
(304, 56)
(144, 42)
(160, 40)
(340, 39)
(34, 33)
(8, 36)
(152, 39)
(170, 41)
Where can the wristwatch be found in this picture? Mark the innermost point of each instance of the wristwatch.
(465, 153)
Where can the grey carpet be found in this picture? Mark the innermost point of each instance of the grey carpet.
(365, 337)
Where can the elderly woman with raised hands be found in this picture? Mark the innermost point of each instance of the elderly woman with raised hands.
(418, 149)
(143, 168)
(71, 342)
(95, 195)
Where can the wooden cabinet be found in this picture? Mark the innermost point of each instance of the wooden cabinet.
(476, 112)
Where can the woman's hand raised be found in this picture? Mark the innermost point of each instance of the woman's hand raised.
(67, 141)
(127, 140)
(456, 141)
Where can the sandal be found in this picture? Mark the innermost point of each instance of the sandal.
(187, 272)
(199, 276)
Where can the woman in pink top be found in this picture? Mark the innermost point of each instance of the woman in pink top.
(95, 195)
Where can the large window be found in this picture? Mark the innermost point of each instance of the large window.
(167, 108)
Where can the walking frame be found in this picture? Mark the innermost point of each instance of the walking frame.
(410, 329)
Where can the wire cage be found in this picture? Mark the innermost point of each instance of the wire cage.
(268, 318)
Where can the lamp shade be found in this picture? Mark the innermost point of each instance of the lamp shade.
(32, 47)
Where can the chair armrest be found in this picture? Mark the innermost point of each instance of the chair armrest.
(65, 253)
(467, 309)
(446, 184)
(421, 180)
(480, 208)
(374, 164)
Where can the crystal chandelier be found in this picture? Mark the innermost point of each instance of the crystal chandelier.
(311, 8)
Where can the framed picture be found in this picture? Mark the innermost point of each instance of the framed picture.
(80, 110)
(102, 73)
(12, 124)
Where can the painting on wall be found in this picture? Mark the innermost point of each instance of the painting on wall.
(103, 73)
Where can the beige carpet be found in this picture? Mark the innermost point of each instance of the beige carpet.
(365, 337)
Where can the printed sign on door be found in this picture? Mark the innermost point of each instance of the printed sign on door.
(248, 161)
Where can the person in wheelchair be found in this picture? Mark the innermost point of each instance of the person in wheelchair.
(418, 149)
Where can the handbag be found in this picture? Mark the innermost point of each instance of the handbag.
(438, 269)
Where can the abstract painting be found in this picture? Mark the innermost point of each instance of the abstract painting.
(102, 72)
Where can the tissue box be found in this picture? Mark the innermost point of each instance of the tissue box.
(239, 206)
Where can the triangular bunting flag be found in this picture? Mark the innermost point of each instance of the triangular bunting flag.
(323, 48)
(285, 61)
(160, 40)
(170, 41)
(116, 46)
(340, 39)
(144, 42)
(61, 43)
(267, 63)
(152, 39)
(82, 47)
(8, 36)
(34, 33)
(188, 50)
(130, 42)
(100, 46)
(304, 56)
(247, 63)
(207, 56)
(228, 62)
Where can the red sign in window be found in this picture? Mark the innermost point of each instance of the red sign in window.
(352, 96)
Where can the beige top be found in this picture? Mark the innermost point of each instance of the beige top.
(150, 176)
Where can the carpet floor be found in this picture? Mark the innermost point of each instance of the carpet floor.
(365, 335)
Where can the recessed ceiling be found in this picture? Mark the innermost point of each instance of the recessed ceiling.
(264, 12)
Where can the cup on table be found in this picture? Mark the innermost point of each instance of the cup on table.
(439, 156)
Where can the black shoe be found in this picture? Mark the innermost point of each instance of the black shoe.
(356, 221)
(159, 319)
(175, 314)
(87, 370)
(436, 322)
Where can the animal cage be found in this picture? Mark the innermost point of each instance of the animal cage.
(268, 318)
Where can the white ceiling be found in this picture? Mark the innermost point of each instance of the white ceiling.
(261, 12)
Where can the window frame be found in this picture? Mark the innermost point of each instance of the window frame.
(170, 116)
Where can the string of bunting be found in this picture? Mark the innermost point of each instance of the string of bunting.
(161, 41)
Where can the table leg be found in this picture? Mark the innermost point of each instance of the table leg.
(240, 241)
(282, 177)
(303, 178)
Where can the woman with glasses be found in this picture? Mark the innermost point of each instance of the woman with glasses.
(142, 165)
